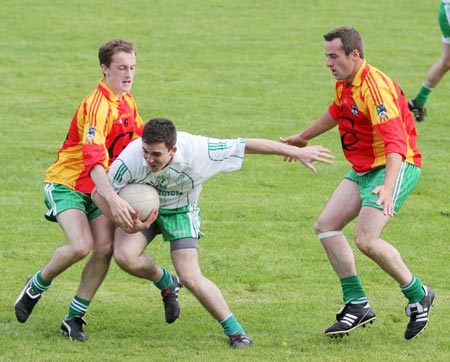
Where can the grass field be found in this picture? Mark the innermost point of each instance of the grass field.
(225, 69)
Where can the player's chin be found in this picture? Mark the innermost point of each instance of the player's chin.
(126, 87)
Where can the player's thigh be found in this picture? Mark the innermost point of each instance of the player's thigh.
(103, 233)
(371, 222)
(75, 225)
(128, 245)
(342, 207)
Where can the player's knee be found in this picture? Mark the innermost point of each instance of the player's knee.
(189, 281)
(318, 228)
(446, 64)
(81, 250)
(123, 259)
(79, 244)
(103, 250)
(321, 226)
(324, 227)
(364, 244)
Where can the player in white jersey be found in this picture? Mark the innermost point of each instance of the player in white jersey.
(176, 164)
(438, 70)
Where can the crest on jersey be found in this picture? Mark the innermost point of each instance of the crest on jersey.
(91, 135)
(180, 179)
(382, 112)
(161, 182)
(354, 110)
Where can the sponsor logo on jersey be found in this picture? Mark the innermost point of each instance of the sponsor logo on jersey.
(170, 193)
(161, 186)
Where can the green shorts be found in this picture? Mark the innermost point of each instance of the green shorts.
(182, 223)
(406, 181)
(444, 16)
(59, 198)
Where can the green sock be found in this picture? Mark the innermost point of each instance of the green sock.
(413, 290)
(231, 326)
(77, 308)
(353, 291)
(422, 96)
(165, 281)
(38, 284)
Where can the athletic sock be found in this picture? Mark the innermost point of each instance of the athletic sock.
(413, 290)
(77, 308)
(422, 96)
(165, 281)
(353, 291)
(231, 326)
(38, 284)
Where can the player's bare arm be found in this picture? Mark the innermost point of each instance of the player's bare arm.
(323, 124)
(306, 155)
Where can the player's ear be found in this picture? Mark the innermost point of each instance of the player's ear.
(105, 70)
(174, 149)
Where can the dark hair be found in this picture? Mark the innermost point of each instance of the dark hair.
(111, 47)
(160, 130)
(350, 38)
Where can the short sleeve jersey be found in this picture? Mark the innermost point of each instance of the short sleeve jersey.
(101, 128)
(374, 120)
(179, 184)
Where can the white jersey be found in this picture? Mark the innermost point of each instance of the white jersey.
(179, 184)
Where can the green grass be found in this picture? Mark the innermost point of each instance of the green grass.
(224, 69)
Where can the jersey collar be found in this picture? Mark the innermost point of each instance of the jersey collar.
(107, 91)
(361, 74)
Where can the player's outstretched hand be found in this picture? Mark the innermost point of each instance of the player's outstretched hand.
(308, 155)
(294, 140)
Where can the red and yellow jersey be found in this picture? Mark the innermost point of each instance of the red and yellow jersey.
(101, 128)
(374, 120)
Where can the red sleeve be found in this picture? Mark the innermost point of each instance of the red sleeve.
(334, 110)
(93, 154)
(393, 135)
